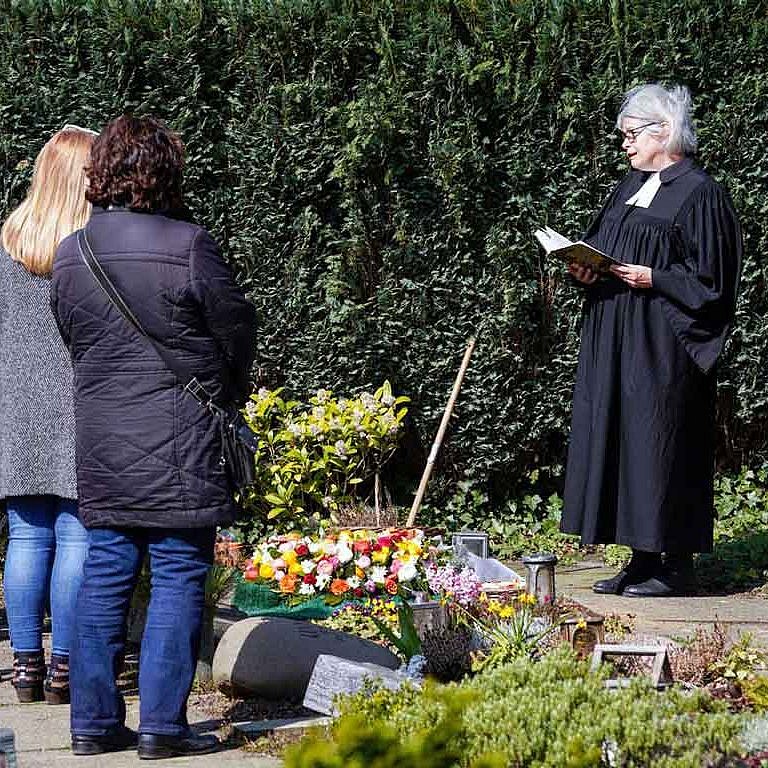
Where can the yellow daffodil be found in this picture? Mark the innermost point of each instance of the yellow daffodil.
(381, 555)
(581, 623)
(295, 568)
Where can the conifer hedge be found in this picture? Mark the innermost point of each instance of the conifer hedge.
(374, 170)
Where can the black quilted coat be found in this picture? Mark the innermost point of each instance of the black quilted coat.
(148, 454)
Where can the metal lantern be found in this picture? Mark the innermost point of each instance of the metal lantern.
(540, 581)
(475, 542)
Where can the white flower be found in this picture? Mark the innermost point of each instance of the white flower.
(329, 548)
(315, 547)
(378, 574)
(353, 581)
(262, 393)
(322, 395)
(286, 545)
(340, 447)
(308, 566)
(344, 553)
(318, 412)
(323, 579)
(307, 589)
(294, 429)
(388, 400)
(407, 572)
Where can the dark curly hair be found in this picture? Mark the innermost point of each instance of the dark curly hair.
(136, 162)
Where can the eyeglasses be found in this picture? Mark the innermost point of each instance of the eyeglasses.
(72, 127)
(632, 134)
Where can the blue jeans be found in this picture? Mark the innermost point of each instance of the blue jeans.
(47, 545)
(179, 562)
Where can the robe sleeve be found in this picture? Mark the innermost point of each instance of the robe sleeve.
(701, 281)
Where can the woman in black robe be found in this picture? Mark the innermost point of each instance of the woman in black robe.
(641, 455)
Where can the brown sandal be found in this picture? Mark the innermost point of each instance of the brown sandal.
(56, 686)
(28, 676)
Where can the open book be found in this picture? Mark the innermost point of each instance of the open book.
(574, 253)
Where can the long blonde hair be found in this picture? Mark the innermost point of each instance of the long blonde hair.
(55, 205)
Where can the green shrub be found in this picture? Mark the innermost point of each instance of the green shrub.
(313, 457)
(534, 714)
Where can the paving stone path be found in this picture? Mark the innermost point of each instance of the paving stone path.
(42, 734)
(667, 617)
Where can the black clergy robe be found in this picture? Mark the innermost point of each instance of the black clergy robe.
(641, 452)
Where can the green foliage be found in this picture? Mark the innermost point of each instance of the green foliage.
(740, 556)
(741, 661)
(312, 458)
(755, 690)
(406, 640)
(549, 714)
(374, 170)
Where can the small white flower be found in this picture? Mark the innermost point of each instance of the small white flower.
(307, 589)
(344, 553)
(340, 447)
(315, 547)
(323, 580)
(318, 412)
(353, 581)
(407, 572)
(263, 393)
(388, 400)
(314, 430)
(308, 566)
(378, 574)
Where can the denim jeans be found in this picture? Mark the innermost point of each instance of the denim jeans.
(47, 545)
(179, 562)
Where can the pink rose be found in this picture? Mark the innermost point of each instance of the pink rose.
(363, 562)
(325, 566)
(279, 575)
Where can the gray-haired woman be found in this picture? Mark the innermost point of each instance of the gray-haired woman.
(641, 454)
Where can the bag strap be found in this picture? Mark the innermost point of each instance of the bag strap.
(189, 382)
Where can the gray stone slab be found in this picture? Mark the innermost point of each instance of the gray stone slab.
(334, 676)
(251, 729)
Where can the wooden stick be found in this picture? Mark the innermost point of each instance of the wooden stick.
(440, 434)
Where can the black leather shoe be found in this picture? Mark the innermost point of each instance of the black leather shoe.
(618, 583)
(116, 741)
(665, 585)
(155, 746)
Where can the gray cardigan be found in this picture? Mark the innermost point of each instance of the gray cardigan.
(37, 419)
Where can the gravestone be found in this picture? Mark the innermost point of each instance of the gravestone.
(275, 657)
(333, 676)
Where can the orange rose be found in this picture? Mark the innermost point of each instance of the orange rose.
(391, 586)
(288, 584)
(339, 587)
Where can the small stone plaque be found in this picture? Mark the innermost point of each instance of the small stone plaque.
(333, 676)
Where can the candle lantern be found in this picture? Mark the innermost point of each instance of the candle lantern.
(540, 580)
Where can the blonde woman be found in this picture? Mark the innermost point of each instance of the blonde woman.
(47, 543)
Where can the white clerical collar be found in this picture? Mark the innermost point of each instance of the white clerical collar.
(644, 196)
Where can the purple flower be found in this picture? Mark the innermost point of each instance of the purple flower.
(462, 585)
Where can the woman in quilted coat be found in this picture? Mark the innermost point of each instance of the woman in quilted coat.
(149, 454)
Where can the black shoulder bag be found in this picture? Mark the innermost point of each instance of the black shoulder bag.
(239, 442)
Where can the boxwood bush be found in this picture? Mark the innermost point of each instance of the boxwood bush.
(374, 170)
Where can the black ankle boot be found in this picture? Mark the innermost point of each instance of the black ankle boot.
(642, 566)
(28, 676)
(56, 687)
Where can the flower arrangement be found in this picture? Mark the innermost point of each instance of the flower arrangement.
(350, 565)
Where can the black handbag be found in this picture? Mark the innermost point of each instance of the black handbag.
(239, 442)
